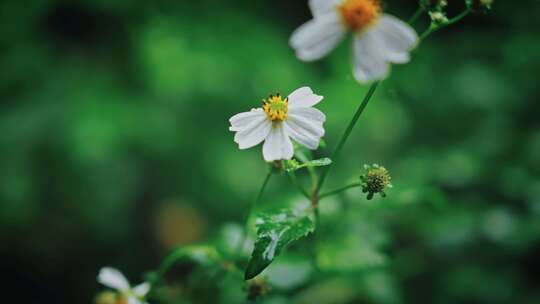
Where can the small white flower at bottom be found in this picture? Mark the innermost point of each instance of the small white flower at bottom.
(279, 120)
(380, 39)
(114, 279)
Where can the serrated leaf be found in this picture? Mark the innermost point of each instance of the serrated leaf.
(274, 232)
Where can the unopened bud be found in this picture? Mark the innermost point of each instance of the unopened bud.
(438, 18)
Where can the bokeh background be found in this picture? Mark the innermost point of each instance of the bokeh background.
(114, 148)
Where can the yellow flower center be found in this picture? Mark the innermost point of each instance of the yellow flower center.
(276, 107)
(358, 14)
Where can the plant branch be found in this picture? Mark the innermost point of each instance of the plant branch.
(294, 181)
(347, 133)
(434, 27)
(339, 190)
(252, 207)
(416, 15)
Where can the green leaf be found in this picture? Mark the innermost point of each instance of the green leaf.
(319, 162)
(293, 164)
(274, 232)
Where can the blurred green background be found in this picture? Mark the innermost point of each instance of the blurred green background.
(114, 148)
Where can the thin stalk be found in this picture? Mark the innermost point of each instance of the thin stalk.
(314, 197)
(347, 133)
(252, 207)
(258, 199)
(370, 93)
(294, 181)
(416, 15)
(433, 27)
(339, 190)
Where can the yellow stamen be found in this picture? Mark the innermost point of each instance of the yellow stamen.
(359, 14)
(276, 107)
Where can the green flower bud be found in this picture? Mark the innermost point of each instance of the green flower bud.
(375, 180)
(438, 18)
(291, 165)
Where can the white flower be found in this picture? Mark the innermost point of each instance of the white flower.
(379, 39)
(279, 120)
(114, 279)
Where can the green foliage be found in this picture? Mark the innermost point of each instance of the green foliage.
(112, 110)
(275, 231)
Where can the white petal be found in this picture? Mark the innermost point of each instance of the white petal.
(369, 61)
(141, 290)
(399, 35)
(306, 126)
(277, 145)
(319, 7)
(242, 120)
(306, 139)
(113, 278)
(393, 38)
(317, 37)
(254, 134)
(303, 97)
(308, 113)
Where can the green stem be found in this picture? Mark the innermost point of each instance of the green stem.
(339, 190)
(434, 27)
(252, 207)
(416, 15)
(258, 199)
(459, 17)
(168, 262)
(370, 93)
(314, 197)
(294, 181)
(347, 133)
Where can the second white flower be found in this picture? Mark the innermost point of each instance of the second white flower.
(379, 39)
